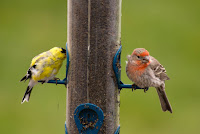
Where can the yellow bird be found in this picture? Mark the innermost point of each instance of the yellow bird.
(44, 67)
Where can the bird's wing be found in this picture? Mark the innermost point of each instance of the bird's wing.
(32, 69)
(45, 66)
(41, 60)
(38, 63)
(38, 58)
(158, 69)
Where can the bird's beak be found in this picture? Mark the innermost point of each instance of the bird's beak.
(146, 59)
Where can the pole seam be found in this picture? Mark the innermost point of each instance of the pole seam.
(88, 55)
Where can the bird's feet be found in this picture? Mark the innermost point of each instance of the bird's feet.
(145, 89)
(134, 87)
(43, 81)
(56, 79)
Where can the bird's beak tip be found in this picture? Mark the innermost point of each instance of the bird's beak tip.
(146, 59)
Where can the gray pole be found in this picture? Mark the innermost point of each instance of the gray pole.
(94, 32)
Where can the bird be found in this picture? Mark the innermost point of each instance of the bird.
(145, 71)
(43, 67)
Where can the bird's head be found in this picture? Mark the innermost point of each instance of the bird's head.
(140, 56)
(58, 52)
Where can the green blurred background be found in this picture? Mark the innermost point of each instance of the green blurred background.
(169, 29)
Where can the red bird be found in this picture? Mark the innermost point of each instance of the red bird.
(145, 71)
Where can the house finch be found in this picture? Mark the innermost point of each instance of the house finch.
(145, 71)
(44, 67)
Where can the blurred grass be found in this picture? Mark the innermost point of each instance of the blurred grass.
(170, 30)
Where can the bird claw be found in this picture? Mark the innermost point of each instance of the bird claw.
(134, 87)
(56, 79)
(43, 82)
(145, 89)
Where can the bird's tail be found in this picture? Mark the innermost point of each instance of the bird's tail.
(27, 94)
(163, 100)
(28, 91)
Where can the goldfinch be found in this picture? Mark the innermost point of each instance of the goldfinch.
(44, 67)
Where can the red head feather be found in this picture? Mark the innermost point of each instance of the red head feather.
(140, 52)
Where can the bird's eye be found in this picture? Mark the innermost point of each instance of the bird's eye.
(138, 57)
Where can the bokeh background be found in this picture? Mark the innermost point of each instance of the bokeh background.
(169, 29)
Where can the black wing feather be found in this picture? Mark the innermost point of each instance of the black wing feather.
(28, 75)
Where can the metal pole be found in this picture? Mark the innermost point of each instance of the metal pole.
(94, 32)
